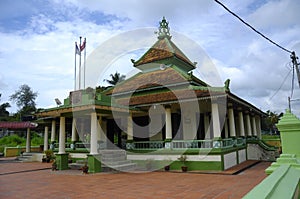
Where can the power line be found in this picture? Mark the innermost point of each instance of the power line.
(247, 24)
(281, 85)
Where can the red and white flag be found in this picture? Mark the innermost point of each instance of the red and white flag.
(82, 47)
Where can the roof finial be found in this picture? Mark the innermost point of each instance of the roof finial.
(164, 30)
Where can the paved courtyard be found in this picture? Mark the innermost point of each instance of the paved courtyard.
(36, 180)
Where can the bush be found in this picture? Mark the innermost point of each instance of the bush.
(11, 141)
(37, 141)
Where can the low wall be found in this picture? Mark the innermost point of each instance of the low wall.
(16, 151)
(282, 183)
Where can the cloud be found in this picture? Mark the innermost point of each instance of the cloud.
(37, 42)
(276, 14)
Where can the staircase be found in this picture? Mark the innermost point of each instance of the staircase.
(25, 157)
(116, 160)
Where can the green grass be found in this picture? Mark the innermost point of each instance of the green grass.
(266, 137)
(15, 140)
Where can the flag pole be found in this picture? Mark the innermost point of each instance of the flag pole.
(79, 63)
(75, 67)
(84, 63)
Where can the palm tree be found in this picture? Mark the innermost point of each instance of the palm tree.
(271, 121)
(115, 78)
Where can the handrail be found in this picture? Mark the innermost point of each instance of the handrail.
(184, 144)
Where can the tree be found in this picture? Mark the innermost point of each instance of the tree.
(3, 112)
(270, 122)
(115, 78)
(25, 99)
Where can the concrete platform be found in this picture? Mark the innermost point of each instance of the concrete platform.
(36, 180)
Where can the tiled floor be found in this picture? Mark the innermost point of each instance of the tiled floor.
(36, 180)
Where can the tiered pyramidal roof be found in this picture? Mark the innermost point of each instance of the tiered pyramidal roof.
(164, 51)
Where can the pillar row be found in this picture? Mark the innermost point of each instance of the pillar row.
(258, 126)
(28, 141)
(94, 132)
(46, 138)
(62, 136)
(168, 123)
(241, 124)
(216, 120)
(53, 125)
(129, 127)
(231, 122)
(74, 131)
(253, 122)
(248, 125)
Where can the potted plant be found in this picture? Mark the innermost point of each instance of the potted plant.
(183, 159)
(54, 165)
(167, 168)
(85, 169)
(48, 156)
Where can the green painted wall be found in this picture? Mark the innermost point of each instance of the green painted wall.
(289, 127)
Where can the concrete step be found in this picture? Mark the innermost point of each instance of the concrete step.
(113, 159)
(116, 160)
(26, 158)
(115, 163)
(122, 168)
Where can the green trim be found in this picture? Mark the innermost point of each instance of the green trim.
(263, 145)
(282, 183)
(176, 165)
(198, 166)
(201, 151)
(94, 163)
(222, 162)
(62, 161)
(77, 150)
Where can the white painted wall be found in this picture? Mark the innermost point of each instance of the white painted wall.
(189, 122)
(155, 127)
(230, 160)
(242, 155)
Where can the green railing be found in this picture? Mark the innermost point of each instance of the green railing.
(174, 144)
(147, 145)
(184, 144)
(78, 145)
(240, 141)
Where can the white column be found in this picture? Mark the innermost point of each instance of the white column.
(53, 125)
(226, 128)
(258, 126)
(99, 121)
(94, 127)
(168, 123)
(241, 124)
(215, 120)
(207, 127)
(62, 136)
(253, 122)
(248, 125)
(129, 127)
(28, 141)
(74, 131)
(103, 130)
(231, 122)
(46, 138)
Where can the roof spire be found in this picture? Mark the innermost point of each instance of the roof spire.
(164, 30)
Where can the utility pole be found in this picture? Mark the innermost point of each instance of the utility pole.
(296, 65)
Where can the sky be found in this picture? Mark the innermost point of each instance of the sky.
(37, 43)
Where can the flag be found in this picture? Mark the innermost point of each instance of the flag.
(82, 47)
(77, 51)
